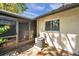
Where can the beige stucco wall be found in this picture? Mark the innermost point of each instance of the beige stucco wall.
(69, 23)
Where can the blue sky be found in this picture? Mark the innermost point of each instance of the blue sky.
(37, 9)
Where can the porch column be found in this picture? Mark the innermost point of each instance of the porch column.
(17, 32)
(29, 31)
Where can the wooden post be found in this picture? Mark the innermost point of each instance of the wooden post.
(29, 31)
(17, 32)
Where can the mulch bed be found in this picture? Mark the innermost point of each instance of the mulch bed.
(48, 51)
(51, 51)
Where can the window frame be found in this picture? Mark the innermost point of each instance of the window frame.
(50, 25)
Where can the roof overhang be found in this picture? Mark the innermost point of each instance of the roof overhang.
(63, 8)
(20, 18)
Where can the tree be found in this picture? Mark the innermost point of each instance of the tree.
(13, 7)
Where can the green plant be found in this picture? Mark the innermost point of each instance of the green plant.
(3, 30)
(3, 40)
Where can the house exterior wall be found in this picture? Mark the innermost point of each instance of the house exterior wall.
(69, 23)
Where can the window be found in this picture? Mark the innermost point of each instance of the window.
(52, 25)
(11, 31)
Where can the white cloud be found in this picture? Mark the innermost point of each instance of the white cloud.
(55, 5)
(29, 14)
(38, 7)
